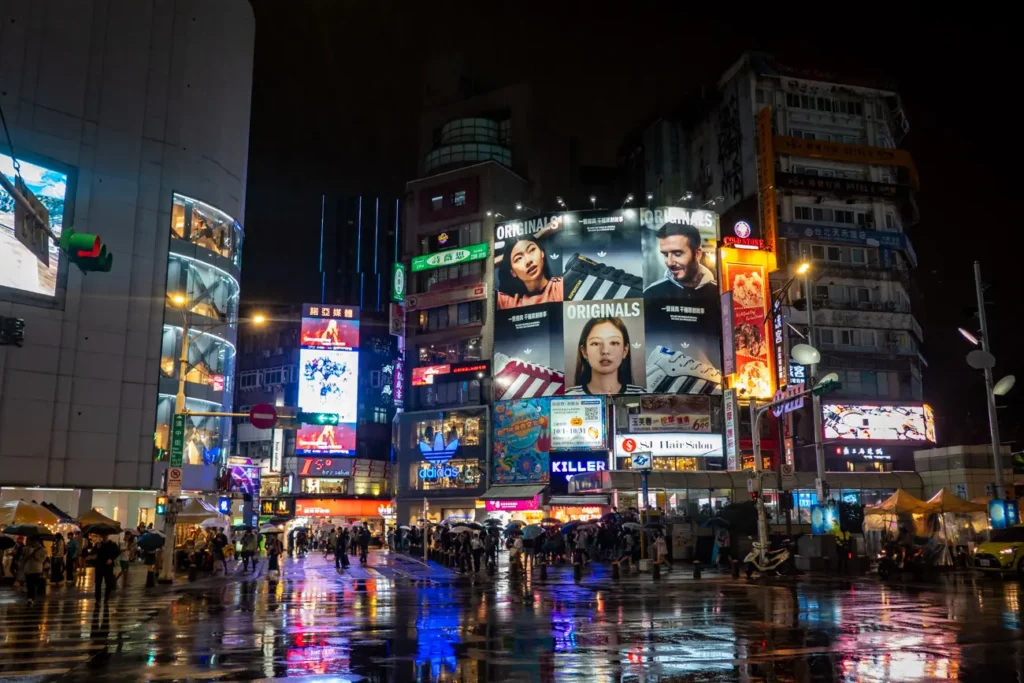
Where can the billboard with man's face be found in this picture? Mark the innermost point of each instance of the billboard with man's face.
(607, 302)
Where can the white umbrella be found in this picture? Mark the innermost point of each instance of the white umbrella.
(460, 529)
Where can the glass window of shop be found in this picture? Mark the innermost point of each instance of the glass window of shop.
(453, 352)
(211, 359)
(668, 464)
(442, 431)
(453, 315)
(447, 394)
(204, 436)
(318, 485)
(454, 474)
(206, 226)
(270, 486)
(369, 486)
(211, 292)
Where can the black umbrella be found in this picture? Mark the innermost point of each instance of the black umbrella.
(6, 542)
(473, 525)
(28, 530)
(151, 540)
(241, 527)
(493, 521)
(101, 529)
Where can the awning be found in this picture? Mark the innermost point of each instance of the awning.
(610, 480)
(512, 492)
(579, 501)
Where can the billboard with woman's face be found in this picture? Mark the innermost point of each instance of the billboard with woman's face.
(607, 302)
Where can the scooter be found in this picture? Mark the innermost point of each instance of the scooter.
(779, 561)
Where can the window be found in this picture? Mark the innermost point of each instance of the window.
(459, 198)
(835, 254)
(792, 99)
(380, 415)
(826, 336)
(443, 317)
(802, 213)
(818, 252)
(375, 378)
(858, 255)
(436, 203)
(759, 96)
(861, 295)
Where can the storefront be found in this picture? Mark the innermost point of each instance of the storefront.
(704, 494)
(441, 464)
(523, 503)
(315, 513)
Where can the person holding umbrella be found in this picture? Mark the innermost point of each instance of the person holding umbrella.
(248, 550)
(32, 560)
(274, 551)
(57, 552)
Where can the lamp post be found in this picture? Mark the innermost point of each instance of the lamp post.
(182, 303)
(819, 446)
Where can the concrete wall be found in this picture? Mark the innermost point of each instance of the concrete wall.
(143, 99)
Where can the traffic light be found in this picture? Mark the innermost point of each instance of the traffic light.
(317, 418)
(161, 505)
(12, 331)
(86, 251)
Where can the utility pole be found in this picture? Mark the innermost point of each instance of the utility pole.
(990, 397)
(819, 446)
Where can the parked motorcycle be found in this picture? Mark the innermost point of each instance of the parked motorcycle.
(779, 561)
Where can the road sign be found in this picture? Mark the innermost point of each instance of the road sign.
(788, 477)
(173, 481)
(177, 440)
(263, 416)
(796, 404)
(398, 282)
(27, 229)
(640, 460)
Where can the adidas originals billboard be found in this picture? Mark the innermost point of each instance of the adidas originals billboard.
(607, 302)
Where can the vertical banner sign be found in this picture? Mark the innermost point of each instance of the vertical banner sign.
(177, 440)
(728, 336)
(766, 178)
(398, 392)
(781, 347)
(731, 410)
(277, 456)
(398, 282)
(748, 283)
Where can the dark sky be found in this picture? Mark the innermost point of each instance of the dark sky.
(336, 95)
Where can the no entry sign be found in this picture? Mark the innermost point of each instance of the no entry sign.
(263, 416)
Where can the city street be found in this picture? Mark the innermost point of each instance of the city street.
(397, 620)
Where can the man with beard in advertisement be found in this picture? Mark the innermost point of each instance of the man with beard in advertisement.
(602, 359)
(525, 276)
(685, 276)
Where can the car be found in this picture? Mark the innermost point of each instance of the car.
(1004, 553)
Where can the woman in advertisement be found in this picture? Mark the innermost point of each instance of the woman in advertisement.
(525, 275)
(602, 365)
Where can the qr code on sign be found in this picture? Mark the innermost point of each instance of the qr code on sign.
(591, 413)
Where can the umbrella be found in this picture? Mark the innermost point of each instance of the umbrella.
(459, 529)
(610, 517)
(569, 526)
(631, 526)
(654, 525)
(405, 527)
(492, 521)
(101, 529)
(21, 512)
(474, 525)
(517, 522)
(532, 531)
(714, 522)
(28, 530)
(197, 510)
(267, 528)
(151, 540)
(550, 521)
(6, 542)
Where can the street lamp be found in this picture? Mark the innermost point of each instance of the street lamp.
(182, 303)
(593, 201)
(627, 200)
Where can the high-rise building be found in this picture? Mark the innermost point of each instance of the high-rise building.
(136, 130)
(842, 198)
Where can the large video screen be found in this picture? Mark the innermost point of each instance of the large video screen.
(878, 422)
(329, 378)
(607, 302)
(19, 268)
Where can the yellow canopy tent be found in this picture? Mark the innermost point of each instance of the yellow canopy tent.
(94, 516)
(898, 503)
(22, 512)
(946, 501)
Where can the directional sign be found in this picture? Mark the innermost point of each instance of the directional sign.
(262, 416)
(177, 440)
(173, 481)
(640, 460)
(796, 404)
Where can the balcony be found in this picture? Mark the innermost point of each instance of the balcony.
(876, 315)
(864, 272)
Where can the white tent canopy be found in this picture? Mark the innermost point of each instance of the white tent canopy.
(197, 510)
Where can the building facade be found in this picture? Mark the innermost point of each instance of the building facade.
(842, 197)
(144, 119)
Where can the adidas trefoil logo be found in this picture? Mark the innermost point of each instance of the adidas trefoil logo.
(553, 256)
(636, 345)
(527, 351)
(602, 254)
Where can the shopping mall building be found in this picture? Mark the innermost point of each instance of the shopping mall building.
(136, 130)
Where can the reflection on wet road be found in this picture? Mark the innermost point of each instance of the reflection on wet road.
(398, 621)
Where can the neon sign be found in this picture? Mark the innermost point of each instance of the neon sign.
(440, 472)
(571, 467)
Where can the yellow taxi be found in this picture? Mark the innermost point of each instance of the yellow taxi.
(1004, 553)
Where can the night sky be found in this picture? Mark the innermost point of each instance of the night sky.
(336, 96)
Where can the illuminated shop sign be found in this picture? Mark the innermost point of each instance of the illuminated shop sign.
(571, 467)
(671, 413)
(688, 445)
(577, 424)
(741, 237)
(878, 422)
(328, 378)
(434, 472)
(517, 505)
(451, 257)
(277, 507)
(869, 453)
(326, 467)
(429, 374)
(745, 274)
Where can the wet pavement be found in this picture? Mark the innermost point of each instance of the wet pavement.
(399, 620)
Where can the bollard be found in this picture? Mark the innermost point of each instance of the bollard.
(615, 571)
(192, 573)
(656, 571)
(543, 572)
(577, 572)
(151, 576)
(735, 569)
(696, 569)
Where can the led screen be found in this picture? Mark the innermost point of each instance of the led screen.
(607, 302)
(329, 378)
(245, 479)
(19, 268)
(878, 422)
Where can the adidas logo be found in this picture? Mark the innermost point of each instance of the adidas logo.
(602, 254)
(636, 345)
(685, 345)
(553, 256)
(527, 351)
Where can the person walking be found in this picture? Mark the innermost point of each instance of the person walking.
(219, 543)
(661, 552)
(124, 559)
(33, 559)
(248, 550)
(364, 544)
(57, 553)
(341, 550)
(74, 550)
(274, 550)
(106, 554)
(476, 546)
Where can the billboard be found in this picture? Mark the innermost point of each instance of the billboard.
(522, 440)
(687, 445)
(20, 270)
(326, 467)
(671, 413)
(607, 302)
(577, 424)
(745, 276)
(878, 422)
(329, 378)
(245, 479)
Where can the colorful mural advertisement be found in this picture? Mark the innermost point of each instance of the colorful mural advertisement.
(522, 439)
(748, 283)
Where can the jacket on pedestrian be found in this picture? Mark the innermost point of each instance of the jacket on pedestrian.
(32, 559)
(107, 550)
